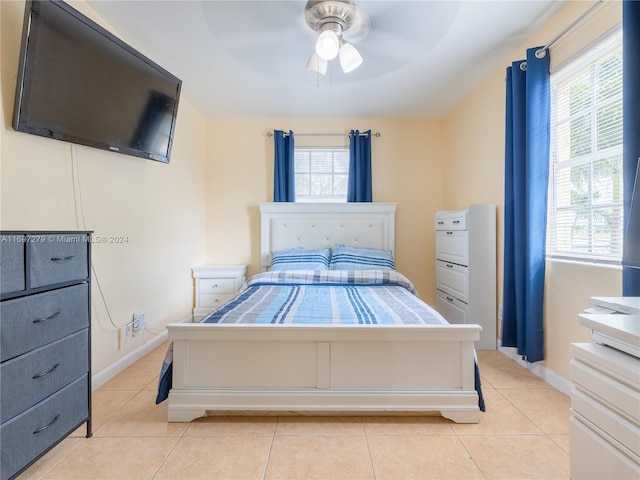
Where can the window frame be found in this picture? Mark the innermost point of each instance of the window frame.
(587, 58)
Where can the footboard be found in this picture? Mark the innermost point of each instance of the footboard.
(328, 368)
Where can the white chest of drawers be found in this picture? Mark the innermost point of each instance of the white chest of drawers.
(605, 402)
(215, 285)
(45, 374)
(466, 268)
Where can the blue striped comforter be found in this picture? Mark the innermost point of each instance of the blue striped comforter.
(327, 297)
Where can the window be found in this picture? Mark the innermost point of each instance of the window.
(321, 174)
(585, 197)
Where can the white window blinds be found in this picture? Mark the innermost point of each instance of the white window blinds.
(321, 174)
(585, 196)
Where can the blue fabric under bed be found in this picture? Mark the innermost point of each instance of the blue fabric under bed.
(366, 297)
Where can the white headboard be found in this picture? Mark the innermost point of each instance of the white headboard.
(322, 225)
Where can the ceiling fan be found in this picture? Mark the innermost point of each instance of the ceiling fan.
(331, 19)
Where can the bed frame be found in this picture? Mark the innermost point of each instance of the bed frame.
(323, 368)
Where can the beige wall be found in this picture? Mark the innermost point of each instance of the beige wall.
(158, 208)
(407, 169)
(474, 172)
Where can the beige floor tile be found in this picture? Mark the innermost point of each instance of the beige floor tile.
(135, 377)
(319, 425)
(51, 459)
(141, 417)
(517, 456)
(157, 354)
(499, 371)
(105, 404)
(319, 457)
(421, 457)
(113, 458)
(416, 425)
(547, 407)
(500, 417)
(231, 426)
(561, 440)
(242, 458)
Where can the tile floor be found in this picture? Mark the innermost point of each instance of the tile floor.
(523, 435)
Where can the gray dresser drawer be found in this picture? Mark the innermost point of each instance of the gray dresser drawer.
(59, 258)
(12, 262)
(30, 378)
(30, 322)
(31, 433)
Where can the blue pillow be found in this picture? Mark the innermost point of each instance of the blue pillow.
(300, 259)
(357, 258)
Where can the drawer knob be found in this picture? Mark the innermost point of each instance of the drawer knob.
(61, 259)
(44, 319)
(42, 429)
(449, 233)
(450, 299)
(449, 265)
(44, 374)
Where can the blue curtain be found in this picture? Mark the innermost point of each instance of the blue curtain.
(359, 188)
(284, 185)
(525, 206)
(631, 120)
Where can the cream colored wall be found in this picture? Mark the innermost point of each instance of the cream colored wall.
(158, 208)
(407, 168)
(474, 172)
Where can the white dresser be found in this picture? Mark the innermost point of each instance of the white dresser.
(605, 400)
(466, 268)
(215, 285)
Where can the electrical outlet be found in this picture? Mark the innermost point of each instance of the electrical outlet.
(139, 322)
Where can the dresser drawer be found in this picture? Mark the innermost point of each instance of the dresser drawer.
(30, 322)
(451, 220)
(452, 246)
(29, 434)
(453, 279)
(12, 262)
(213, 301)
(58, 258)
(217, 285)
(452, 309)
(32, 377)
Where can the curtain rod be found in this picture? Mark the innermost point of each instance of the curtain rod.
(540, 53)
(375, 134)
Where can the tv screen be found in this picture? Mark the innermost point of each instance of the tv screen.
(631, 255)
(81, 84)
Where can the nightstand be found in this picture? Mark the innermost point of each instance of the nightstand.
(215, 285)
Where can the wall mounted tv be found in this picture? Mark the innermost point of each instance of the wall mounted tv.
(81, 84)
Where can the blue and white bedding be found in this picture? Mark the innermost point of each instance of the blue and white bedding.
(365, 297)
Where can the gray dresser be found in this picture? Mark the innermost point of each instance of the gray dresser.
(45, 343)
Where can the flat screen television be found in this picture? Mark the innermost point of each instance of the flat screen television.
(631, 253)
(79, 83)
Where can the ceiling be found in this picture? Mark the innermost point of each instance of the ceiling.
(248, 58)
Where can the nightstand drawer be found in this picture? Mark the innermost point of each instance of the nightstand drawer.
(58, 258)
(217, 285)
(30, 378)
(30, 322)
(210, 300)
(28, 435)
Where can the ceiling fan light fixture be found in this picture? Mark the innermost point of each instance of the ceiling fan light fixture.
(328, 44)
(317, 64)
(350, 58)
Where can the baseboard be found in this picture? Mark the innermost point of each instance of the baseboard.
(548, 375)
(103, 376)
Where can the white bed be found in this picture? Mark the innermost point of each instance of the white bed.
(323, 368)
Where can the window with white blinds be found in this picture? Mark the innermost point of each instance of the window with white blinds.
(321, 174)
(585, 194)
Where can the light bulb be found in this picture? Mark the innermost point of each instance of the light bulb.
(328, 45)
(317, 64)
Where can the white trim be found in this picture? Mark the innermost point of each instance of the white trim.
(552, 378)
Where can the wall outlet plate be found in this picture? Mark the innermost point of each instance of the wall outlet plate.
(139, 321)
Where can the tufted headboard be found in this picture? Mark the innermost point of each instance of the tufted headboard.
(322, 225)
